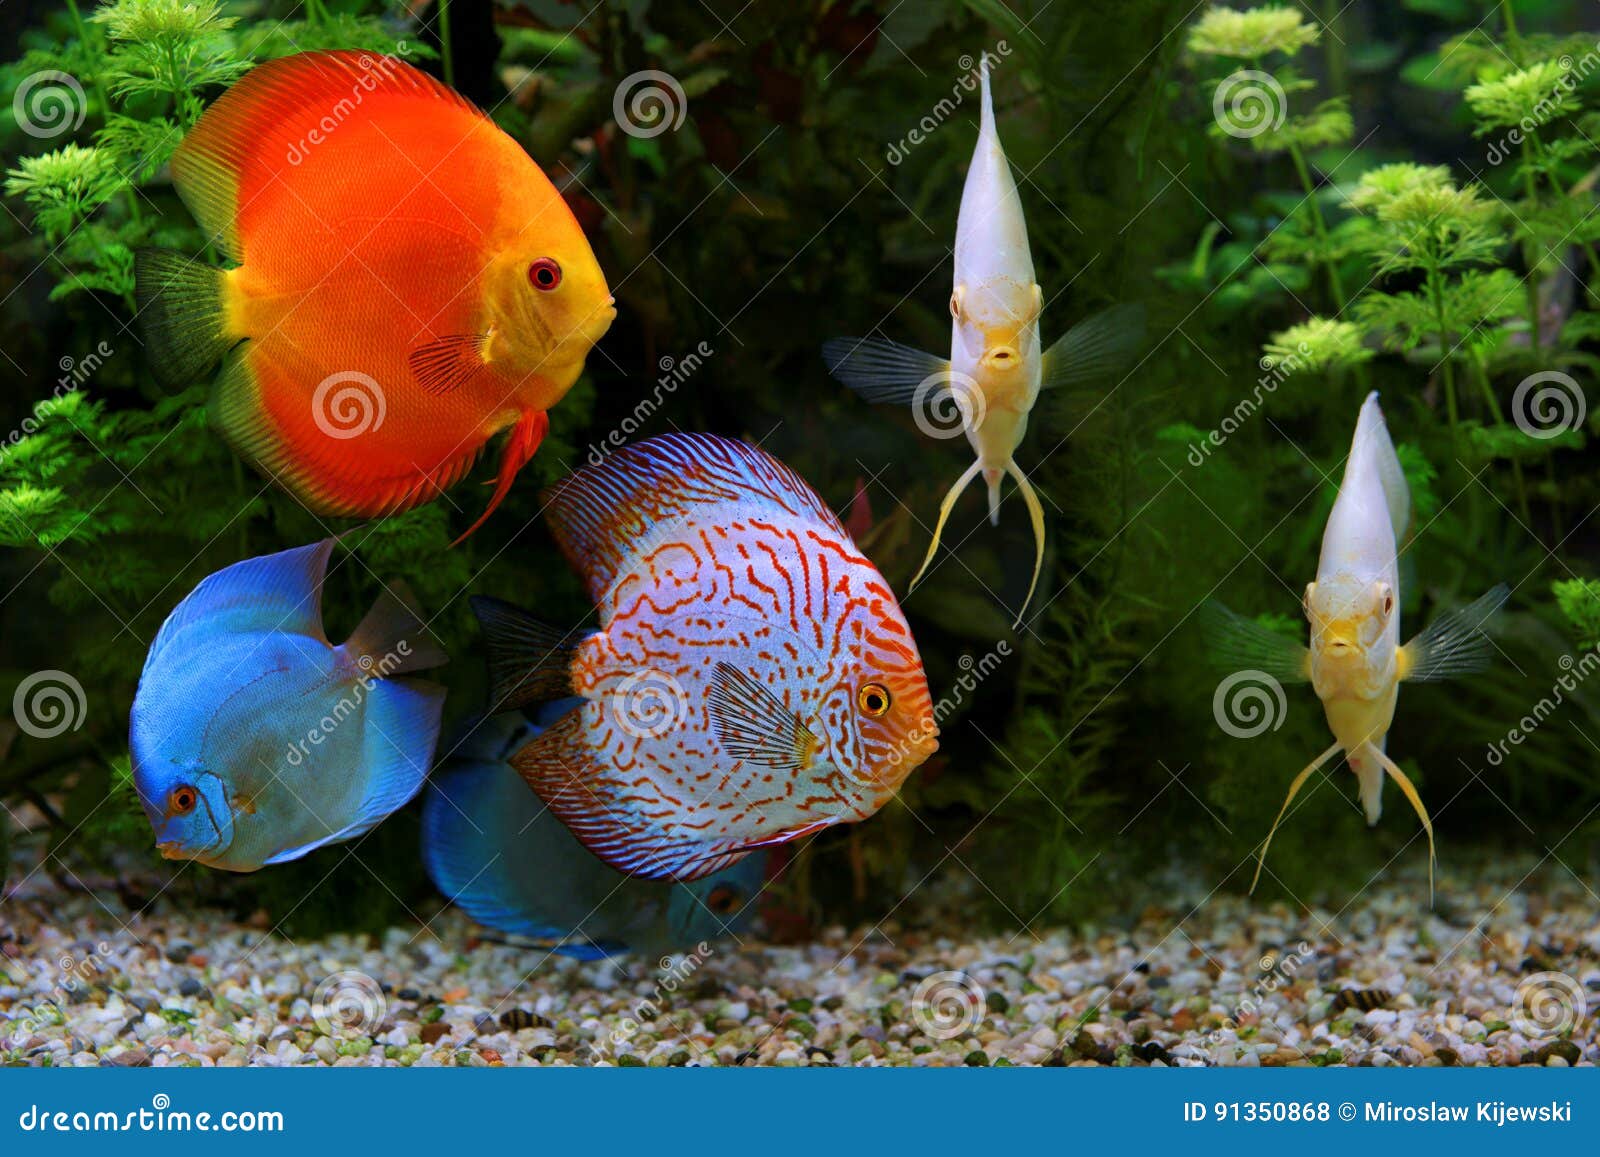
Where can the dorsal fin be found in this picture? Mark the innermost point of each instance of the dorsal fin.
(986, 117)
(606, 516)
(1372, 439)
(276, 592)
(251, 134)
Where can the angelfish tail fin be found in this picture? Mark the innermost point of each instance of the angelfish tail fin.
(1369, 776)
(1030, 499)
(1408, 789)
(520, 446)
(991, 479)
(944, 516)
(1294, 790)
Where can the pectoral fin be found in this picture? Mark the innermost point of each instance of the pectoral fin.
(1099, 346)
(753, 724)
(447, 363)
(1235, 643)
(1454, 644)
(882, 371)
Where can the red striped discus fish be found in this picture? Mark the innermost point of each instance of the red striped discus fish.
(752, 681)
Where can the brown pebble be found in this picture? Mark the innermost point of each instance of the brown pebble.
(435, 1032)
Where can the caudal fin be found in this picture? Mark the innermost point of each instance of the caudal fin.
(529, 661)
(393, 639)
(1294, 790)
(180, 313)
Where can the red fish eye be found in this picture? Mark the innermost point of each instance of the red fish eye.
(722, 900)
(182, 800)
(545, 274)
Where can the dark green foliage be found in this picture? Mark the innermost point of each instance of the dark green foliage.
(1362, 243)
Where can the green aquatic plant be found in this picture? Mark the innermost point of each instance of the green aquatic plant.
(1579, 600)
(1318, 344)
(1253, 104)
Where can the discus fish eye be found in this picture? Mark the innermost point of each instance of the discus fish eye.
(1388, 602)
(955, 305)
(181, 800)
(724, 898)
(874, 699)
(544, 274)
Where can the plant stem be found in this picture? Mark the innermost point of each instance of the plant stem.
(81, 30)
(1334, 50)
(1482, 376)
(1335, 283)
(1508, 10)
(444, 43)
(1530, 248)
(1436, 294)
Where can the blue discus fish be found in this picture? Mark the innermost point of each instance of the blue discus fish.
(256, 740)
(492, 846)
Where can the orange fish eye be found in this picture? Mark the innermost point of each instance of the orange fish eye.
(182, 800)
(874, 699)
(544, 274)
(722, 900)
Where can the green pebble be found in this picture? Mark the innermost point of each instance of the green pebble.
(977, 1059)
(997, 1002)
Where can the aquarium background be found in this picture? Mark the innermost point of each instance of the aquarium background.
(799, 180)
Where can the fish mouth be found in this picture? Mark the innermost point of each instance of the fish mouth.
(1001, 357)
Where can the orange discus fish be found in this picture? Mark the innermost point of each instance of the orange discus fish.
(753, 680)
(405, 284)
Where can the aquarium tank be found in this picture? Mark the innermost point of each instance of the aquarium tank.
(976, 533)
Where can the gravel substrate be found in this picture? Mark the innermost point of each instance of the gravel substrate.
(1495, 974)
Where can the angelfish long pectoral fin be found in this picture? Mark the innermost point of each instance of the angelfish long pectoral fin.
(1036, 516)
(1408, 789)
(944, 515)
(1294, 790)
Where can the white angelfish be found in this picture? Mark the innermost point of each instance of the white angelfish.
(1355, 662)
(996, 369)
